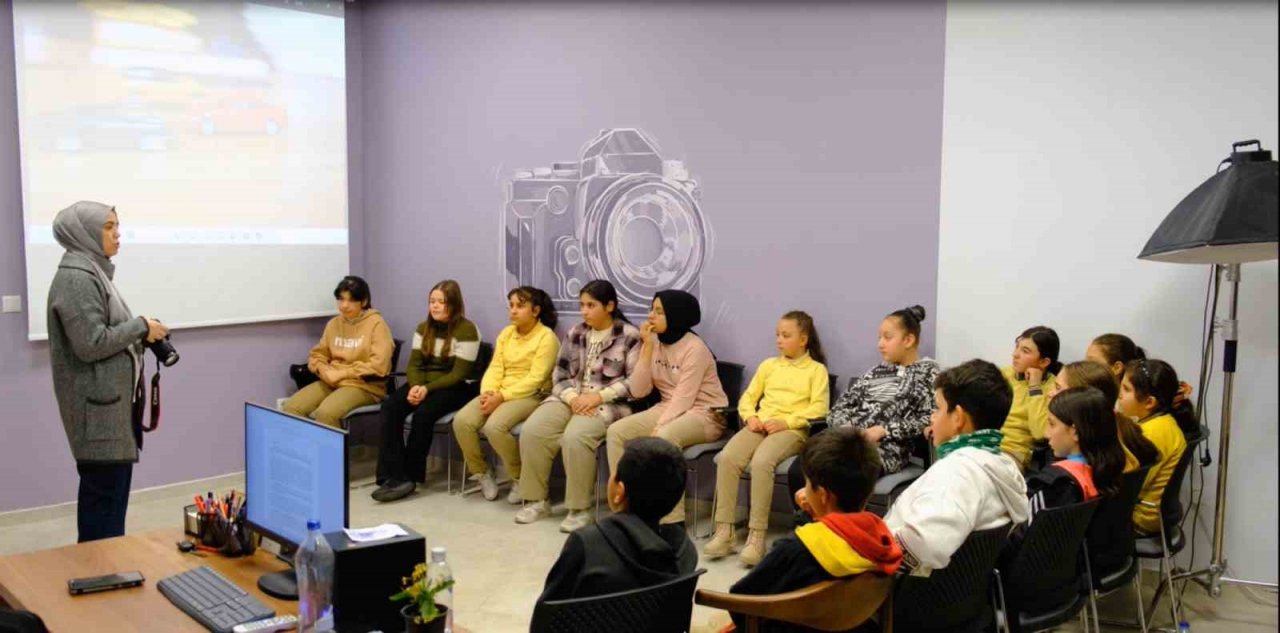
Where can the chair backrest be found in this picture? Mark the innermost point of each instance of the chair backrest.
(1171, 499)
(731, 376)
(1110, 533)
(395, 364)
(483, 357)
(1047, 569)
(20, 622)
(833, 391)
(831, 605)
(664, 608)
(953, 597)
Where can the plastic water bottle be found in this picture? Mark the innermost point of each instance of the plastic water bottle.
(439, 572)
(1184, 627)
(314, 567)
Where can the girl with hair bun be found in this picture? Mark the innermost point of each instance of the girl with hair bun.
(892, 402)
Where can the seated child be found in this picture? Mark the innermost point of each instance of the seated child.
(628, 549)
(1082, 433)
(840, 469)
(973, 485)
(1147, 394)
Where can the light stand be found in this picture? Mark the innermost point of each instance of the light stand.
(1228, 220)
(1212, 577)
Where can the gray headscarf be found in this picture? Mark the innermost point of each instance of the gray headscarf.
(78, 228)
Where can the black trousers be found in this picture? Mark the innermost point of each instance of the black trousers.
(103, 500)
(403, 459)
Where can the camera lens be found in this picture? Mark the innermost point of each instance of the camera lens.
(165, 353)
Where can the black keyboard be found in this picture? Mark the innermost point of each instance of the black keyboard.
(212, 600)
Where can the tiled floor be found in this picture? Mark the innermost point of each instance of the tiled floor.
(500, 566)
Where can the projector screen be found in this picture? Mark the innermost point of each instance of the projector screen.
(216, 129)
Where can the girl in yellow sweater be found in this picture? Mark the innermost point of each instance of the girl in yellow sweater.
(1035, 362)
(786, 392)
(518, 378)
(1147, 393)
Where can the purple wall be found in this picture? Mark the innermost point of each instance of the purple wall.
(201, 432)
(814, 131)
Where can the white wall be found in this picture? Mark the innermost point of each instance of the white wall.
(1069, 132)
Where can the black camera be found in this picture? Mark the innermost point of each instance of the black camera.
(165, 353)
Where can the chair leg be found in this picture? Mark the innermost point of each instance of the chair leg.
(1137, 592)
(695, 501)
(1093, 610)
(448, 466)
(1002, 609)
(1173, 593)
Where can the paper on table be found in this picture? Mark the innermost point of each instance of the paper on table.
(377, 533)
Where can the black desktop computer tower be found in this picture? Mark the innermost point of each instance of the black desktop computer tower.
(366, 575)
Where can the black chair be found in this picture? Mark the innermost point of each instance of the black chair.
(664, 608)
(889, 487)
(731, 376)
(956, 598)
(1165, 545)
(1109, 545)
(1046, 582)
(368, 434)
(20, 622)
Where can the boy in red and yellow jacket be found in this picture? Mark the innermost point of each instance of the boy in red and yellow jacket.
(840, 470)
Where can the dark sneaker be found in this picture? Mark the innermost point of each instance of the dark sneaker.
(393, 490)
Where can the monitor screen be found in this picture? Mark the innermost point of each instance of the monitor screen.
(295, 470)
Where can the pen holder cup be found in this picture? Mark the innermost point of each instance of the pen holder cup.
(230, 537)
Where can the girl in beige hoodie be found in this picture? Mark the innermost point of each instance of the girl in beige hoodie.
(351, 359)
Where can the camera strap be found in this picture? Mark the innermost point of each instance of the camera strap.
(155, 400)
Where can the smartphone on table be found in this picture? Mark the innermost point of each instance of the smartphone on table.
(94, 584)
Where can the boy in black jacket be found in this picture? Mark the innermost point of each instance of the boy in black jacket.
(628, 549)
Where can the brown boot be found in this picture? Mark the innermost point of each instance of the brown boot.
(722, 543)
(753, 551)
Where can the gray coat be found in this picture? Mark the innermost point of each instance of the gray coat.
(93, 371)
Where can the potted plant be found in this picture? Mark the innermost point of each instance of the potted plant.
(422, 614)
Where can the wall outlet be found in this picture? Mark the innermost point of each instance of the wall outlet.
(11, 303)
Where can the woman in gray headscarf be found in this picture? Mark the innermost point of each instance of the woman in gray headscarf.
(95, 345)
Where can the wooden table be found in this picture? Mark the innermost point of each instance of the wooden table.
(37, 582)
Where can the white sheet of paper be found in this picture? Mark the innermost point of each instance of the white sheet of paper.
(376, 533)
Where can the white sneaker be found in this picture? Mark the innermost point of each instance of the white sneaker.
(514, 497)
(577, 519)
(488, 487)
(533, 511)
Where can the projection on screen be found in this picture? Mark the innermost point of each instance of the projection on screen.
(216, 129)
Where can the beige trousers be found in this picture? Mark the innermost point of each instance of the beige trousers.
(762, 454)
(554, 428)
(684, 431)
(469, 422)
(327, 405)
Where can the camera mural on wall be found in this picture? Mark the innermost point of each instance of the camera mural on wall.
(620, 213)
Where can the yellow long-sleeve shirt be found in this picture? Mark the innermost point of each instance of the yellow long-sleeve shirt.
(1027, 416)
(522, 365)
(1163, 431)
(795, 391)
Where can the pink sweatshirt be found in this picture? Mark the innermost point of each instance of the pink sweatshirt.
(685, 375)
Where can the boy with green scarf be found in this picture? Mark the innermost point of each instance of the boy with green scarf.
(973, 485)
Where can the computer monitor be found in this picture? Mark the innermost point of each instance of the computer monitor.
(295, 470)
